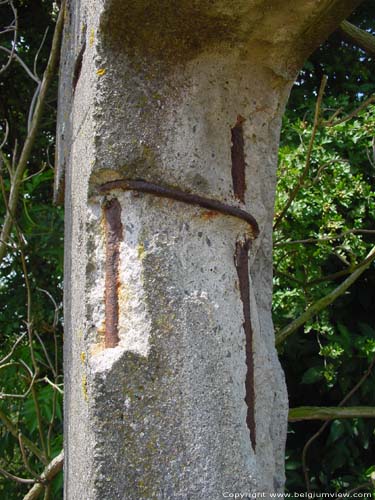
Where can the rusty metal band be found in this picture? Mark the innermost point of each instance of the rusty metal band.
(181, 196)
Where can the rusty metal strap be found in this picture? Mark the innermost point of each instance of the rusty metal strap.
(182, 196)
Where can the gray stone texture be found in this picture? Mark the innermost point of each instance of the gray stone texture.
(159, 86)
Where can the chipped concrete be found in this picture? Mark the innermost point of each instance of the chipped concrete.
(163, 414)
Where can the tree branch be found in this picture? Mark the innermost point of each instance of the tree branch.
(332, 122)
(325, 238)
(30, 139)
(329, 413)
(364, 40)
(324, 301)
(47, 475)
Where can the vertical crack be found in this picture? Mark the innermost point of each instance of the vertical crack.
(238, 159)
(78, 64)
(113, 237)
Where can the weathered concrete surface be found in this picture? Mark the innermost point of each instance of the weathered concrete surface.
(157, 90)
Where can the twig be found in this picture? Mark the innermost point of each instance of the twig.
(325, 425)
(5, 395)
(305, 171)
(52, 384)
(322, 167)
(15, 34)
(325, 301)
(9, 355)
(53, 468)
(38, 51)
(3, 142)
(45, 353)
(32, 354)
(54, 370)
(24, 457)
(17, 479)
(289, 277)
(32, 106)
(14, 55)
(30, 140)
(325, 238)
(332, 123)
(44, 165)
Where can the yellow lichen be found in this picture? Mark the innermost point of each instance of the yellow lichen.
(84, 388)
(83, 357)
(92, 37)
(141, 251)
(101, 71)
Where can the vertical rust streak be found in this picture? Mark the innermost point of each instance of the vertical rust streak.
(242, 266)
(113, 237)
(238, 159)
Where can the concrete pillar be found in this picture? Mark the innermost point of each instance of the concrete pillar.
(173, 387)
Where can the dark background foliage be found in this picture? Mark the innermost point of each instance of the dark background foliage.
(41, 227)
(325, 359)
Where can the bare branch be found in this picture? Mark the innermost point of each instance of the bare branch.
(13, 55)
(325, 238)
(14, 27)
(5, 135)
(10, 354)
(364, 40)
(55, 386)
(32, 354)
(32, 107)
(5, 395)
(332, 122)
(329, 413)
(16, 478)
(30, 140)
(24, 457)
(325, 301)
(38, 51)
(53, 468)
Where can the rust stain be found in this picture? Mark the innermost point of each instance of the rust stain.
(238, 159)
(210, 214)
(242, 266)
(113, 238)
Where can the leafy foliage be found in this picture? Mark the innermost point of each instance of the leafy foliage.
(325, 234)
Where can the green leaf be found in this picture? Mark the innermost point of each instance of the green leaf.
(337, 430)
(312, 375)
